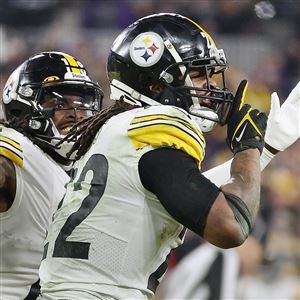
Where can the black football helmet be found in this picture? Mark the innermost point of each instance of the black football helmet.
(163, 49)
(42, 76)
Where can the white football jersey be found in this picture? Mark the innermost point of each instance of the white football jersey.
(40, 187)
(111, 236)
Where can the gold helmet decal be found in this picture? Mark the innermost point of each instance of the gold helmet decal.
(51, 79)
(75, 69)
(73, 65)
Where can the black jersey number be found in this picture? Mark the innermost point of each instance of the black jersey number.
(98, 164)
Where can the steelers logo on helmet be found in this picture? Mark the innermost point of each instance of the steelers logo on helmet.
(11, 86)
(146, 49)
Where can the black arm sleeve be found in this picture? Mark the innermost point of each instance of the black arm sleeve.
(173, 176)
(241, 213)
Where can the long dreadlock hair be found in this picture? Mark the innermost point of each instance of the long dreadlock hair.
(84, 132)
(18, 124)
(22, 126)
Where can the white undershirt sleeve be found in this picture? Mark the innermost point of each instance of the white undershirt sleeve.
(220, 174)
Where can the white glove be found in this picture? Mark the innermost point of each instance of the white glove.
(283, 127)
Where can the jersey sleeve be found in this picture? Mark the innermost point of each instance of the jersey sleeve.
(183, 191)
(12, 150)
(167, 126)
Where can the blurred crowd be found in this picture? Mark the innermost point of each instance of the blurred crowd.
(261, 40)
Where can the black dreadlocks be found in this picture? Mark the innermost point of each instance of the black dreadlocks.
(22, 126)
(84, 131)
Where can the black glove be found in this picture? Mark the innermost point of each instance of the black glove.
(246, 129)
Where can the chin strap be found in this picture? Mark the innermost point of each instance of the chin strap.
(48, 148)
(205, 117)
(51, 143)
(119, 90)
(182, 68)
(204, 124)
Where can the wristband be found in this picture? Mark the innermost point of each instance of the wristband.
(271, 149)
(265, 158)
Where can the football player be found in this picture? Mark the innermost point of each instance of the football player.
(137, 183)
(211, 272)
(42, 99)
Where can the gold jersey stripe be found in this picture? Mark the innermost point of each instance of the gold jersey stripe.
(8, 153)
(159, 117)
(11, 142)
(11, 150)
(166, 135)
(172, 124)
(73, 63)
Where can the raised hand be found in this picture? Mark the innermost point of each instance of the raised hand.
(283, 127)
(246, 129)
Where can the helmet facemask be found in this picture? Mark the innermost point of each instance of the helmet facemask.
(53, 99)
(210, 104)
(40, 90)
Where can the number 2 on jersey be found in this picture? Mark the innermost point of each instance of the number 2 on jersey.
(97, 163)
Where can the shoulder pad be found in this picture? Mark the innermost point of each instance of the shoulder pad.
(11, 149)
(167, 126)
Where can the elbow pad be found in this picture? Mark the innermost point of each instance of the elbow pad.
(241, 213)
